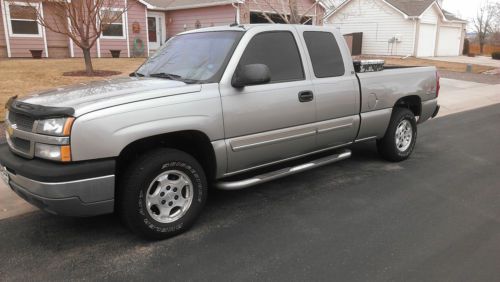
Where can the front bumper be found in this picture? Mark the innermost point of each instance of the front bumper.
(75, 189)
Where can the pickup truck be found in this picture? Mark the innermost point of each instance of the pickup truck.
(221, 107)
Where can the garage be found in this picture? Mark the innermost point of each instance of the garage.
(449, 41)
(426, 40)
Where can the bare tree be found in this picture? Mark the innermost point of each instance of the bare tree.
(484, 23)
(83, 21)
(286, 11)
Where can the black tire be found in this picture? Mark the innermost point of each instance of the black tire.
(387, 146)
(140, 175)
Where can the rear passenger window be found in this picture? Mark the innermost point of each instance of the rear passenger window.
(325, 54)
(277, 50)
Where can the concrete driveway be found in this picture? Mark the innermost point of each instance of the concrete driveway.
(455, 96)
(478, 60)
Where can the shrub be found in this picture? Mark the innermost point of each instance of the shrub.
(495, 55)
(466, 47)
(471, 54)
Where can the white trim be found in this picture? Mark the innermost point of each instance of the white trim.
(401, 12)
(4, 17)
(9, 20)
(123, 25)
(71, 47)
(44, 33)
(194, 6)
(126, 29)
(98, 46)
(147, 30)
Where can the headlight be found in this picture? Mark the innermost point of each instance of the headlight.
(53, 152)
(55, 126)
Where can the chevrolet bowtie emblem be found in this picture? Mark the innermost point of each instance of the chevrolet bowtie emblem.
(10, 130)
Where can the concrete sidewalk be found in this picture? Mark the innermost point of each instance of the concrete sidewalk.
(478, 60)
(455, 96)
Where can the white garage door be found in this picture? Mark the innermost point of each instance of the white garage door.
(426, 40)
(449, 41)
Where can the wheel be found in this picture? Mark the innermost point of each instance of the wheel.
(162, 193)
(400, 137)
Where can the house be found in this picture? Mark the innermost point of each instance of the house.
(142, 29)
(419, 28)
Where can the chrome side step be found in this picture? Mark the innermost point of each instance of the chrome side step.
(259, 179)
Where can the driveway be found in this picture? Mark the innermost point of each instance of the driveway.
(478, 60)
(434, 217)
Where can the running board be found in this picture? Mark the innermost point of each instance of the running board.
(259, 179)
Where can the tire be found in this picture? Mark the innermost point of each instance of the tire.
(399, 149)
(162, 194)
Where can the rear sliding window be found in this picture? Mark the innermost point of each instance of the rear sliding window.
(278, 50)
(325, 54)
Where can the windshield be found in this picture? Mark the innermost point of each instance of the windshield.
(193, 58)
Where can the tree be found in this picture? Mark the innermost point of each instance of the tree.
(286, 11)
(81, 20)
(484, 23)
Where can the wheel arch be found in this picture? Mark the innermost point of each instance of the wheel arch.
(411, 102)
(193, 142)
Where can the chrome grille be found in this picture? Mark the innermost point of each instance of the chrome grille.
(23, 122)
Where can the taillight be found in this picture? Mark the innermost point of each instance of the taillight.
(438, 85)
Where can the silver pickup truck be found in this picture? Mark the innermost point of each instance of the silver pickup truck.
(223, 107)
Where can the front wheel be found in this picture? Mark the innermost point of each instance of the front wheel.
(400, 137)
(162, 193)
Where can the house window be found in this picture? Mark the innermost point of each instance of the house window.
(22, 20)
(115, 29)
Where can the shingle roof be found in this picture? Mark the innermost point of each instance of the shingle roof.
(451, 17)
(411, 8)
(185, 4)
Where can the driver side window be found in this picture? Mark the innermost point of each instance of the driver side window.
(278, 50)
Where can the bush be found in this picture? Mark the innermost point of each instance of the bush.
(466, 47)
(495, 55)
(471, 54)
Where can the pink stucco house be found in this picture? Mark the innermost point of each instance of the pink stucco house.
(143, 27)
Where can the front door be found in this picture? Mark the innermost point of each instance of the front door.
(156, 30)
(269, 122)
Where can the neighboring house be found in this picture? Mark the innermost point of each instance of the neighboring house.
(419, 28)
(143, 28)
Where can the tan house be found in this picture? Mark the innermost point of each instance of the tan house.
(143, 28)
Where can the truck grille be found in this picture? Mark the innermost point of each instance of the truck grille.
(23, 122)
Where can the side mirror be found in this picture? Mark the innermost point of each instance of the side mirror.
(253, 74)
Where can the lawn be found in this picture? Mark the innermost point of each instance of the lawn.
(440, 65)
(24, 76)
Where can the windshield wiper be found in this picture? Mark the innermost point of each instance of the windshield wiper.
(173, 77)
(136, 74)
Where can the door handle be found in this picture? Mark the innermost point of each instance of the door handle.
(306, 96)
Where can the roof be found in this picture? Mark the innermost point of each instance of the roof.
(184, 4)
(410, 8)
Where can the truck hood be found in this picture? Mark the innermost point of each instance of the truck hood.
(91, 96)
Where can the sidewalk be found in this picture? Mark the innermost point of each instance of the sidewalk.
(456, 96)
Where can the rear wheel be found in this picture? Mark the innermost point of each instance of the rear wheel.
(401, 136)
(162, 193)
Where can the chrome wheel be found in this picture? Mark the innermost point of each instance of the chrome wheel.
(404, 135)
(169, 196)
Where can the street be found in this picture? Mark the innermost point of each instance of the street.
(435, 217)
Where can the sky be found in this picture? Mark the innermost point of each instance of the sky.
(465, 9)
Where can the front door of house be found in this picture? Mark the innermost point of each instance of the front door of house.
(156, 30)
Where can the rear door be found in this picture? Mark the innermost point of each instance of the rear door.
(268, 123)
(336, 87)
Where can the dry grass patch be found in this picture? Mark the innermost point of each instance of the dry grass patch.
(24, 76)
(440, 65)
